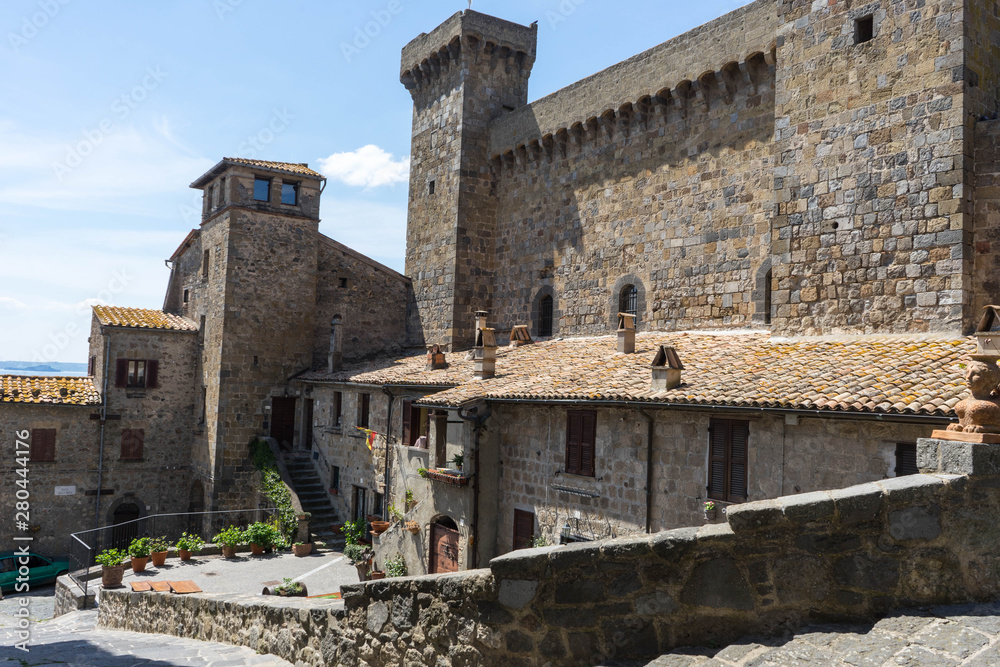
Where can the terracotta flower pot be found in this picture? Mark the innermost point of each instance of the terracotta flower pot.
(111, 577)
(184, 554)
(302, 549)
(139, 564)
(256, 550)
(413, 527)
(228, 552)
(159, 558)
(376, 574)
(379, 527)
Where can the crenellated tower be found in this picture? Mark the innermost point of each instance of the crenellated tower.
(467, 72)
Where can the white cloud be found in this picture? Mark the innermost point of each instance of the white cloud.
(368, 167)
(8, 303)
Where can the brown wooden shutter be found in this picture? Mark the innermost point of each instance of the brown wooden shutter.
(587, 442)
(718, 435)
(524, 528)
(43, 444)
(574, 434)
(91, 366)
(152, 372)
(121, 372)
(738, 457)
(365, 409)
(407, 420)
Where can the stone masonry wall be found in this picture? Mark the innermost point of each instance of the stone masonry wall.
(871, 181)
(812, 455)
(853, 553)
(986, 214)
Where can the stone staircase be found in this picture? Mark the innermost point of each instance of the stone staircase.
(315, 499)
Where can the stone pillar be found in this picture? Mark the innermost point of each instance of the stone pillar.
(626, 333)
(954, 457)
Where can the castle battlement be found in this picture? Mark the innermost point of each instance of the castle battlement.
(425, 57)
(698, 69)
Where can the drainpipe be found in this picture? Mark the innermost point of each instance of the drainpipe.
(388, 432)
(104, 418)
(649, 469)
(478, 420)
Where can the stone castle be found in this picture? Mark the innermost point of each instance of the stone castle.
(789, 213)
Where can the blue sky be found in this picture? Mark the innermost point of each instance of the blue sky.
(110, 109)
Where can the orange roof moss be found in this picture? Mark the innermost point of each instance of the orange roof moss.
(48, 389)
(891, 375)
(142, 318)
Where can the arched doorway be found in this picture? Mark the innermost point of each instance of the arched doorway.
(124, 527)
(444, 546)
(196, 503)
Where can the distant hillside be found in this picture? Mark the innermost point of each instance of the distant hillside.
(45, 367)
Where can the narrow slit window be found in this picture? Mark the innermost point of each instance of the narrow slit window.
(545, 316)
(864, 29)
(767, 297)
(431, 186)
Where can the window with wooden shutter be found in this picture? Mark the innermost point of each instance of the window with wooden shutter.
(43, 444)
(132, 441)
(152, 373)
(581, 428)
(338, 406)
(91, 366)
(906, 459)
(407, 423)
(364, 405)
(524, 529)
(121, 372)
(728, 457)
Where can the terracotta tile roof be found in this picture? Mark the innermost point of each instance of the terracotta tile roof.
(288, 167)
(891, 375)
(142, 318)
(49, 389)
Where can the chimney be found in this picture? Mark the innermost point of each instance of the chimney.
(336, 359)
(484, 354)
(667, 369)
(435, 358)
(519, 335)
(626, 333)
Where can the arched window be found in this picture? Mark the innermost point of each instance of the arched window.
(767, 298)
(628, 300)
(545, 316)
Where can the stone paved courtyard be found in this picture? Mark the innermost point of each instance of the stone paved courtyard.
(73, 640)
(966, 635)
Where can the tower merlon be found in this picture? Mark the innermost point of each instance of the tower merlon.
(423, 57)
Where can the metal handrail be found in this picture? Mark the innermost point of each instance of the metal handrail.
(154, 516)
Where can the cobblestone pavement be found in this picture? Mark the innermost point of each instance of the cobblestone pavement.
(72, 640)
(967, 635)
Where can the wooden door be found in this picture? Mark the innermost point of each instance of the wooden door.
(444, 549)
(524, 528)
(283, 420)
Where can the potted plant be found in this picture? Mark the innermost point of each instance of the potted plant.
(360, 557)
(300, 549)
(139, 550)
(261, 536)
(229, 539)
(379, 527)
(458, 461)
(395, 566)
(287, 588)
(376, 574)
(112, 562)
(160, 547)
(187, 545)
(410, 502)
(394, 514)
(413, 527)
(353, 531)
(710, 510)
(422, 472)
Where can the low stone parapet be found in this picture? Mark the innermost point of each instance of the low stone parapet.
(70, 597)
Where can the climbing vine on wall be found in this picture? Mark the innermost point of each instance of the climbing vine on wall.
(274, 488)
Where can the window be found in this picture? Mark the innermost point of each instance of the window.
(906, 459)
(767, 297)
(415, 423)
(359, 503)
(337, 409)
(628, 299)
(864, 29)
(335, 477)
(187, 296)
(580, 434)
(290, 194)
(364, 403)
(136, 373)
(343, 283)
(91, 366)
(441, 439)
(204, 404)
(728, 446)
(204, 263)
(43, 444)
(545, 316)
(262, 189)
(431, 186)
(222, 191)
(377, 504)
(132, 439)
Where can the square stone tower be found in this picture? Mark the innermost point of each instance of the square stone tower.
(249, 277)
(470, 70)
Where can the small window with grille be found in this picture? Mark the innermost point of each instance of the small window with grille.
(545, 316)
(628, 300)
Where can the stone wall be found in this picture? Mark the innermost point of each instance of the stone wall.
(986, 214)
(849, 554)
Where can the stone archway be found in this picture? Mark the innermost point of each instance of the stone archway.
(124, 525)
